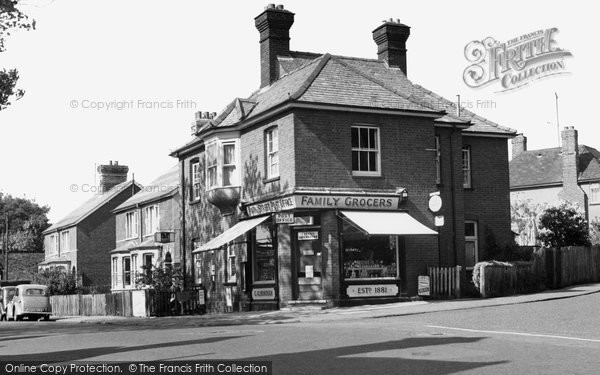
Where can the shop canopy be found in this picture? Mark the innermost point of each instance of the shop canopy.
(389, 223)
(231, 234)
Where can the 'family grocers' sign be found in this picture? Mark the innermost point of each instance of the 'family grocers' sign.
(348, 202)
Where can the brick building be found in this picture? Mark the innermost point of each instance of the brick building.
(81, 241)
(548, 176)
(315, 188)
(147, 231)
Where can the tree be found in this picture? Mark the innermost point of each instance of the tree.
(27, 221)
(162, 280)
(11, 18)
(57, 281)
(563, 226)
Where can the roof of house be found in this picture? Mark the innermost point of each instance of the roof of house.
(165, 185)
(339, 80)
(90, 206)
(544, 167)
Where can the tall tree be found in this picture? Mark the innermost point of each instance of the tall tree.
(27, 221)
(11, 18)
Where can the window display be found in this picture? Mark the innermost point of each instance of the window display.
(264, 254)
(369, 257)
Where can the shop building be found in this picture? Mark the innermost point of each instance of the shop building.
(147, 232)
(81, 241)
(316, 188)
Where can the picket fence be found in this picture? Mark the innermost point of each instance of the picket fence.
(444, 281)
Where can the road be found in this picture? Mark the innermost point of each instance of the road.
(551, 337)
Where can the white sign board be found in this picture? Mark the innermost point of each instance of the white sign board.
(312, 235)
(284, 218)
(309, 271)
(383, 290)
(263, 293)
(424, 287)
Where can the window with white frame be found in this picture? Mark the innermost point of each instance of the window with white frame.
(229, 164)
(126, 271)
(134, 266)
(115, 273)
(471, 250)
(52, 244)
(151, 220)
(366, 154)
(211, 165)
(272, 138)
(131, 224)
(438, 160)
(466, 166)
(231, 267)
(65, 243)
(222, 164)
(595, 193)
(195, 180)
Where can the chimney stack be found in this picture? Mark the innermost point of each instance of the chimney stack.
(112, 175)
(391, 40)
(519, 145)
(274, 27)
(571, 190)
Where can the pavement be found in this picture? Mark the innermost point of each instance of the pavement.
(308, 315)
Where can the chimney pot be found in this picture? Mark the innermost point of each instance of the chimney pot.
(280, 6)
(271, 6)
(205, 115)
(213, 115)
(391, 40)
(112, 175)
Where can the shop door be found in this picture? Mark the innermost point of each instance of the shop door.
(307, 248)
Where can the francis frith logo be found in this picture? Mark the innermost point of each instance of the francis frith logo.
(514, 63)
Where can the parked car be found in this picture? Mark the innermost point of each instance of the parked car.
(6, 295)
(31, 301)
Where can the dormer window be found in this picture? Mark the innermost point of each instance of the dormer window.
(222, 157)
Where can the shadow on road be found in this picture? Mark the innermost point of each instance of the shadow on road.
(380, 358)
(82, 354)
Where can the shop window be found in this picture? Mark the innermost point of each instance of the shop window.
(131, 224)
(369, 257)
(471, 250)
(366, 156)
(272, 138)
(438, 160)
(195, 171)
(198, 269)
(466, 166)
(231, 266)
(264, 254)
(595, 193)
(126, 271)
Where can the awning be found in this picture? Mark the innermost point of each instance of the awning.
(394, 223)
(231, 234)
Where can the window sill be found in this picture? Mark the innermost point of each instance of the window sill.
(271, 179)
(263, 283)
(595, 204)
(366, 175)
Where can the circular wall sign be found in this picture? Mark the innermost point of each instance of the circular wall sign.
(435, 203)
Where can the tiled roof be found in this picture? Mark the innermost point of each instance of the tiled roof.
(544, 167)
(90, 206)
(165, 185)
(339, 80)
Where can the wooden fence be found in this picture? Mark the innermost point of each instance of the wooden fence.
(504, 280)
(117, 304)
(121, 304)
(572, 265)
(445, 282)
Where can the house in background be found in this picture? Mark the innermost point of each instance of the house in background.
(549, 176)
(315, 188)
(147, 231)
(81, 242)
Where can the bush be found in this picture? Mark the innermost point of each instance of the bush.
(563, 226)
(168, 279)
(57, 281)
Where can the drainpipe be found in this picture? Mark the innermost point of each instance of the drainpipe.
(182, 223)
(453, 199)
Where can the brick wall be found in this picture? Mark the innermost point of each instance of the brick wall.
(488, 201)
(96, 238)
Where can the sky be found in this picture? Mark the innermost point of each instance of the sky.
(121, 80)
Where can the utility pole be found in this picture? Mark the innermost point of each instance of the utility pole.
(557, 124)
(6, 246)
